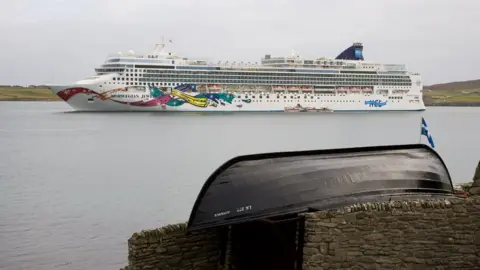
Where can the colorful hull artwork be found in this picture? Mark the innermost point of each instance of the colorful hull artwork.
(157, 96)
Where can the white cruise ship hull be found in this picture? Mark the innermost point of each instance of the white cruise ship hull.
(87, 98)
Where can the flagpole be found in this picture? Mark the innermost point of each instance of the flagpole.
(421, 126)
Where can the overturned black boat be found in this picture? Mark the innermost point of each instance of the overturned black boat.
(252, 187)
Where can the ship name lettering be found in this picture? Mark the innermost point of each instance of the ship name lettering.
(244, 208)
(221, 213)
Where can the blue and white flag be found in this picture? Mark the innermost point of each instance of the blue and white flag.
(425, 133)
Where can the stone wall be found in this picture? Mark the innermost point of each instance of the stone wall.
(440, 234)
(170, 248)
(475, 187)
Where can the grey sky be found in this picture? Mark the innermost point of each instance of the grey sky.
(60, 41)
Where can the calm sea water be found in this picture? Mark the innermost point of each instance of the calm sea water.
(75, 186)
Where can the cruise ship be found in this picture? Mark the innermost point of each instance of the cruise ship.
(164, 81)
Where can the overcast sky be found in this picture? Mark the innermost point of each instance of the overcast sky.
(60, 41)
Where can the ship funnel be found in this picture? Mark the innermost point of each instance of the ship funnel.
(354, 52)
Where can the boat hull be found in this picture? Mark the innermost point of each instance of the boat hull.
(86, 98)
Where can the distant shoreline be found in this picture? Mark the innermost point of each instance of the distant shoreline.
(17, 93)
(431, 98)
(453, 104)
(36, 100)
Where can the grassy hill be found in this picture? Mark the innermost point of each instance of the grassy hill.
(463, 93)
(464, 85)
(18, 93)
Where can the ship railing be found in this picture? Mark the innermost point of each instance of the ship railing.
(134, 55)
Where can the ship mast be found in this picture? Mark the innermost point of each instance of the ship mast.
(159, 49)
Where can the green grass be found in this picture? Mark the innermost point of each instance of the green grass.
(26, 94)
(457, 96)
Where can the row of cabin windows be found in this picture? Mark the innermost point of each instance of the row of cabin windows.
(163, 72)
(269, 78)
(402, 85)
(176, 84)
(266, 79)
(196, 74)
(146, 83)
(404, 80)
(273, 76)
(271, 82)
(295, 97)
(257, 75)
(289, 97)
(309, 101)
(205, 72)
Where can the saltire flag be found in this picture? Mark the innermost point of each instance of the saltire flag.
(425, 133)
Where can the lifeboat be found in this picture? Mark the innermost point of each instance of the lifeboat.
(214, 86)
(279, 88)
(367, 89)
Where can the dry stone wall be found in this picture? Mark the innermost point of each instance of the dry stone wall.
(418, 234)
(170, 247)
(475, 188)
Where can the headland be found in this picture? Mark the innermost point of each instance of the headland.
(30, 93)
(462, 93)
